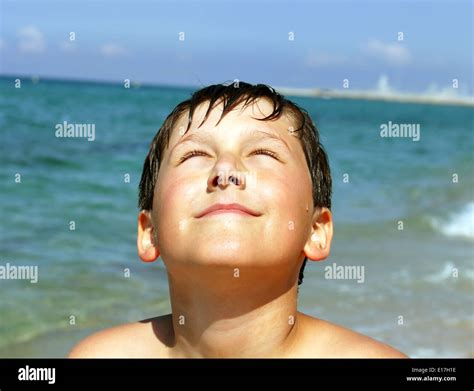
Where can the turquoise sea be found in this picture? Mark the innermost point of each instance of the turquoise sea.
(417, 294)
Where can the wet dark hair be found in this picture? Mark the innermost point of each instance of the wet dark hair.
(232, 95)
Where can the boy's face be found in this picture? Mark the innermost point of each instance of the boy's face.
(277, 189)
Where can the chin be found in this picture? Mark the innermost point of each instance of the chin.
(220, 253)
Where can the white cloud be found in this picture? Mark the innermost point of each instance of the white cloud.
(393, 53)
(323, 59)
(31, 40)
(112, 50)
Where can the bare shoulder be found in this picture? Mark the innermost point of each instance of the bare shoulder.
(147, 338)
(332, 340)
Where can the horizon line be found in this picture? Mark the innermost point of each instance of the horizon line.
(309, 92)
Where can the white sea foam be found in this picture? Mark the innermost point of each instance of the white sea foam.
(444, 274)
(460, 224)
(450, 271)
(435, 353)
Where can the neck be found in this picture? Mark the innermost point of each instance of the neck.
(253, 315)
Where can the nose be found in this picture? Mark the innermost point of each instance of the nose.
(226, 172)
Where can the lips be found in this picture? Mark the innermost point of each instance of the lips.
(228, 208)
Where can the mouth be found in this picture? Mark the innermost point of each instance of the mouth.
(236, 209)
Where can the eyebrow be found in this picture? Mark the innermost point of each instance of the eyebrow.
(257, 134)
(266, 135)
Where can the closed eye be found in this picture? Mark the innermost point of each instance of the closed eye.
(191, 154)
(265, 152)
(259, 151)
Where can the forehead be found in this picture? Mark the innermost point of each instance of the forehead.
(241, 120)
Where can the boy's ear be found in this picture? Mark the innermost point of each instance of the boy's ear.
(147, 249)
(318, 245)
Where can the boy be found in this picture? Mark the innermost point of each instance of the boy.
(235, 196)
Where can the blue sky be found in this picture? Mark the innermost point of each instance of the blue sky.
(246, 40)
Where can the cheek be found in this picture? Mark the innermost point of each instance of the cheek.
(286, 195)
(174, 203)
(289, 190)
